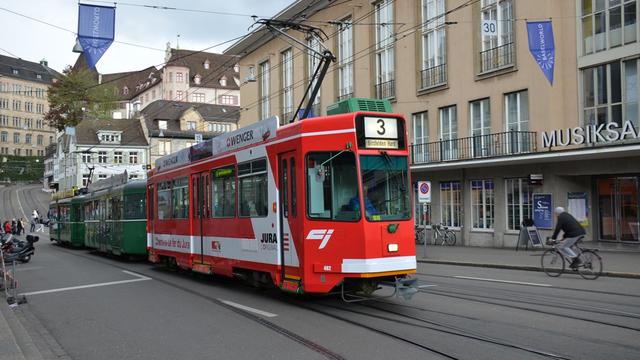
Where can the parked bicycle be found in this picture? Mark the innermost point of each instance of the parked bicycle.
(553, 261)
(441, 234)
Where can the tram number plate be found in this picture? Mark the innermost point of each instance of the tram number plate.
(380, 128)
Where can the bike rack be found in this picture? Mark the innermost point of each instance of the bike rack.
(9, 283)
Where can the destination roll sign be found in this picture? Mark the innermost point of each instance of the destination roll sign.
(381, 132)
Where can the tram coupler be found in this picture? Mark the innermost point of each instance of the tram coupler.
(404, 287)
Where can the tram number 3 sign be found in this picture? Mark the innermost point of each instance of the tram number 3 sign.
(424, 192)
(381, 133)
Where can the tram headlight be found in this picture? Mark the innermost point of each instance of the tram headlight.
(392, 247)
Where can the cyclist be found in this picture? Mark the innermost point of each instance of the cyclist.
(572, 231)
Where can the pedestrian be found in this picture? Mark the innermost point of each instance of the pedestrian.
(14, 226)
(7, 227)
(20, 226)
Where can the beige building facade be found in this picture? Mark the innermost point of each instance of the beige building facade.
(23, 103)
(487, 128)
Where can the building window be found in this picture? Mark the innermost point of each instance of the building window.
(451, 203)
(264, 90)
(312, 63)
(252, 178)
(164, 147)
(518, 202)
(179, 95)
(162, 124)
(102, 176)
(85, 180)
(198, 97)
(449, 133)
(102, 157)
(16, 138)
(480, 119)
(516, 108)
(223, 81)
(40, 140)
(420, 137)
(179, 77)
(610, 93)
(191, 125)
(133, 157)
(4, 136)
(434, 44)
(197, 79)
(206, 64)
(117, 157)
(86, 158)
(607, 24)
(498, 51)
(345, 60)
(384, 51)
(287, 85)
(228, 100)
(483, 201)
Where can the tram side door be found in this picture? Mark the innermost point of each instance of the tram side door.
(287, 211)
(200, 186)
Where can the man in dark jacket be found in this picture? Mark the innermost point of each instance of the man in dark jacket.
(572, 231)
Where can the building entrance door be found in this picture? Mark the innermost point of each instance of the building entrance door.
(619, 200)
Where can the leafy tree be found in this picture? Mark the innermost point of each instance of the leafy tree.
(76, 96)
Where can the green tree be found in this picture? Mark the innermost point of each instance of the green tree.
(77, 95)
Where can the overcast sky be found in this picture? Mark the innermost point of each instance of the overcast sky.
(33, 41)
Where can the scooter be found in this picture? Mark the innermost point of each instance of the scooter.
(18, 250)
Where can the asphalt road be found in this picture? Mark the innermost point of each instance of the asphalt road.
(88, 306)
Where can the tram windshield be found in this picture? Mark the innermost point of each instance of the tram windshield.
(385, 187)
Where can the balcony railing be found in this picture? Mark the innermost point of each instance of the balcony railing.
(497, 57)
(386, 90)
(345, 96)
(475, 147)
(433, 76)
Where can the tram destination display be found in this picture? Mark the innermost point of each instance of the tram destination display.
(381, 132)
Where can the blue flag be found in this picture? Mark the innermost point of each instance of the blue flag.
(96, 28)
(542, 47)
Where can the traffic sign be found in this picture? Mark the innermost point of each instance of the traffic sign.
(424, 192)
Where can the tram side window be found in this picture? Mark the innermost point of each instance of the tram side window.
(252, 178)
(134, 207)
(224, 192)
(332, 186)
(164, 200)
(180, 198)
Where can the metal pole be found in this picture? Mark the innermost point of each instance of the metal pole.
(424, 226)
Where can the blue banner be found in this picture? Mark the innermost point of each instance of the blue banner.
(542, 212)
(96, 28)
(542, 47)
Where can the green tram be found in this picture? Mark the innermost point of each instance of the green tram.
(110, 218)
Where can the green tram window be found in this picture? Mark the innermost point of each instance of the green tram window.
(134, 206)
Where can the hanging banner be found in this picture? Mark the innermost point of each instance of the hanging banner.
(96, 29)
(542, 47)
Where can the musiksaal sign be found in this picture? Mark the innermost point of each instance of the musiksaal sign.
(590, 134)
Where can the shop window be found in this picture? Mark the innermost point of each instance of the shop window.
(483, 201)
(451, 203)
(518, 202)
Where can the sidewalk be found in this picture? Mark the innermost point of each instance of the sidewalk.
(615, 263)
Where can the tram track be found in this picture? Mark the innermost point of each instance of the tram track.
(440, 327)
(325, 352)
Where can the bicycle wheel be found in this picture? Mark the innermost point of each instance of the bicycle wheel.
(420, 236)
(552, 263)
(449, 238)
(590, 266)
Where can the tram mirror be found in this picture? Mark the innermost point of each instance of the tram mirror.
(320, 174)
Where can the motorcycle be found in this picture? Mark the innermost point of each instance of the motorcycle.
(15, 249)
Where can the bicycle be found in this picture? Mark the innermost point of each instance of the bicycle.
(440, 231)
(553, 261)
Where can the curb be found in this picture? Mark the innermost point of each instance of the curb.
(521, 267)
(11, 350)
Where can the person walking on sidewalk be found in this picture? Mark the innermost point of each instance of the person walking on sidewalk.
(572, 231)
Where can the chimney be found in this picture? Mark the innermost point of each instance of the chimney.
(44, 63)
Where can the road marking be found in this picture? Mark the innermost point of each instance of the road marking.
(502, 281)
(20, 204)
(426, 286)
(29, 268)
(138, 278)
(247, 308)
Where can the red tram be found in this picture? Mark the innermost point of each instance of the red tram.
(314, 206)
